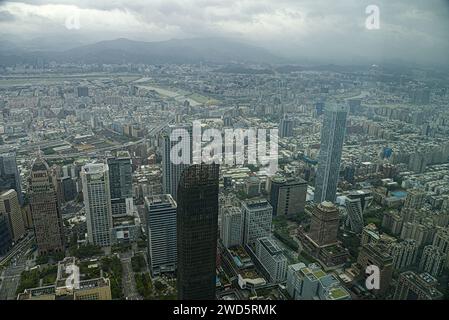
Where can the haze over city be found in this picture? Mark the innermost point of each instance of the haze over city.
(303, 31)
(250, 155)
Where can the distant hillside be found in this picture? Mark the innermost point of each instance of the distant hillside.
(119, 51)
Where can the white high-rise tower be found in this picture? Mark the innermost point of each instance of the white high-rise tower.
(97, 202)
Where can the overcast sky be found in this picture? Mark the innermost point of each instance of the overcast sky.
(332, 30)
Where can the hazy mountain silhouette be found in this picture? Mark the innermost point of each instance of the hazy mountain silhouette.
(213, 50)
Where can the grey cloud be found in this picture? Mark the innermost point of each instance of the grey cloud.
(6, 16)
(326, 29)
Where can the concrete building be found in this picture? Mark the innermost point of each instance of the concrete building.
(161, 233)
(45, 212)
(370, 234)
(324, 224)
(258, 216)
(232, 226)
(252, 186)
(97, 203)
(84, 289)
(415, 199)
(288, 196)
(377, 254)
(356, 203)
(404, 253)
(441, 241)
(411, 286)
(272, 259)
(432, 261)
(422, 233)
(125, 229)
(392, 221)
(312, 283)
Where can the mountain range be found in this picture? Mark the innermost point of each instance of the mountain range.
(118, 51)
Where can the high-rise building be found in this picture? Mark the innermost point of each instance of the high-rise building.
(421, 96)
(286, 127)
(273, 260)
(415, 199)
(197, 230)
(432, 261)
(68, 188)
(411, 286)
(257, 219)
(9, 174)
(82, 91)
(404, 253)
(392, 221)
(171, 170)
(5, 234)
(47, 220)
(252, 186)
(9, 205)
(370, 234)
(232, 226)
(377, 255)
(422, 233)
(332, 138)
(356, 203)
(121, 183)
(441, 241)
(97, 203)
(288, 196)
(161, 233)
(324, 224)
(319, 108)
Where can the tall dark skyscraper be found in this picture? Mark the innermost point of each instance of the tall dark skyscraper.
(332, 137)
(197, 228)
(121, 183)
(5, 234)
(9, 174)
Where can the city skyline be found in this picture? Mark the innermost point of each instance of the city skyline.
(248, 154)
